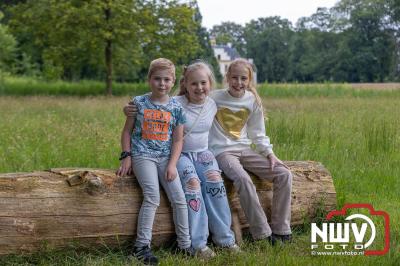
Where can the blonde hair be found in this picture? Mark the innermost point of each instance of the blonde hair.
(198, 64)
(252, 83)
(161, 64)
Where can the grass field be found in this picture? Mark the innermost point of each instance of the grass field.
(356, 136)
(25, 86)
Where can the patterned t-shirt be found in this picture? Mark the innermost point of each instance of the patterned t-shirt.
(152, 135)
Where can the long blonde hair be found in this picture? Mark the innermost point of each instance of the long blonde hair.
(198, 64)
(252, 83)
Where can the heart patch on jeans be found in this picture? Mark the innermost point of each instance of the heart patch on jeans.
(194, 204)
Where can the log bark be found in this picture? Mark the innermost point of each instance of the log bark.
(91, 207)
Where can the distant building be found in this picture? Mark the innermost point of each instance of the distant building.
(225, 54)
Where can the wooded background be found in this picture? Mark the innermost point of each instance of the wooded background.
(354, 41)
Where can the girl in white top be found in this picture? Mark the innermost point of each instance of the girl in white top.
(197, 167)
(238, 124)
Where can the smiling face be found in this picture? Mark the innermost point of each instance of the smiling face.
(198, 85)
(161, 82)
(238, 80)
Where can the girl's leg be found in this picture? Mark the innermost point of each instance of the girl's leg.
(216, 201)
(198, 219)
(231, 166)
(146, 173)
(281, 178)
(176, 196)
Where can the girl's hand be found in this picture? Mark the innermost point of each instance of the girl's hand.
(274, 161)
(170, 173)
(126, 167)
(130, 109)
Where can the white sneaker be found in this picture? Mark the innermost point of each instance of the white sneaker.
(205, 253)
(234, 248)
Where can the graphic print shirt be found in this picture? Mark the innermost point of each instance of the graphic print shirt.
(152, 135)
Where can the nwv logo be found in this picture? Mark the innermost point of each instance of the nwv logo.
(340, 232)
(338, 235)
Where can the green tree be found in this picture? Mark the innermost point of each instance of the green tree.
(367, 45)
(7, 50)
(312, 55)
(170, 31)
(395, 15)
(7, 47)
(68, 35)
(205, 52)
(230, 32)
(103, 38)
(313, 48)
(268, 44)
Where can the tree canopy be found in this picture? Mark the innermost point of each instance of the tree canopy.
(102, 38)
(354, 41)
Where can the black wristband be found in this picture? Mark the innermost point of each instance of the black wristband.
(124, 154)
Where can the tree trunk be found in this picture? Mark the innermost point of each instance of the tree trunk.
(93, 207)
(108, 55)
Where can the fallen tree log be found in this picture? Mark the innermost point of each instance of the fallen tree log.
(90, 207)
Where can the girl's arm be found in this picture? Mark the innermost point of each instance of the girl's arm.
(256, 132)
(126, 164)
(177, 143)
(130, 109)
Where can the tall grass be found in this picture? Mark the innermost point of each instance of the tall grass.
(23, 86)
(26, 86)
(331, 90)
(356, 138)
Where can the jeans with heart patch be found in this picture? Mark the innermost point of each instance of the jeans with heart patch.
(206, 197)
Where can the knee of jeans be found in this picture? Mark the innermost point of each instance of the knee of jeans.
(151, 199)
(244, 180)
(286, 176)
(179, 200)
(213, 176)
(192, 186)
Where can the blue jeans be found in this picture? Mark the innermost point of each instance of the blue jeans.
(205, 194)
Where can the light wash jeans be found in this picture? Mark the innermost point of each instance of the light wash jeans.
(149, 172)
(206, 198)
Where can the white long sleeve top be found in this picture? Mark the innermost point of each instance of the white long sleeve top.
(197, 139)
(239, 122)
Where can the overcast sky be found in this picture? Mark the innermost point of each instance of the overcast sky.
(242, 11)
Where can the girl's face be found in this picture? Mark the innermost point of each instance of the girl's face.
(238, 80)
(161, 83)
(198, 86)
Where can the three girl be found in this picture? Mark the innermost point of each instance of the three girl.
(238, 123)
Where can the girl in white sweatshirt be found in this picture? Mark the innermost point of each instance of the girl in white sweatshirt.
(238, 124)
